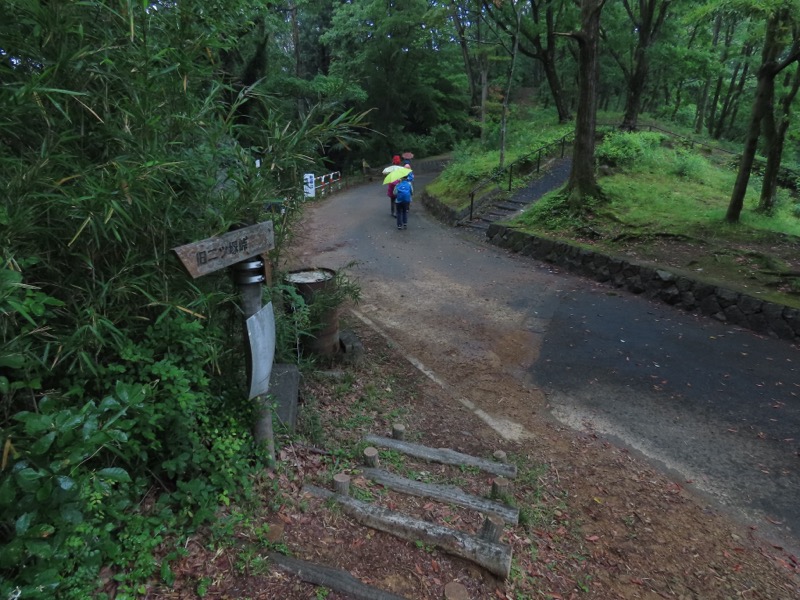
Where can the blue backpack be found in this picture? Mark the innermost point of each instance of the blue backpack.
(402, 192)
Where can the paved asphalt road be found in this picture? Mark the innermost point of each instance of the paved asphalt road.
(715, 406)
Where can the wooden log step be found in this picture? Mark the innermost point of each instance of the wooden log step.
(444, 493)
(444, 456)
(494, 557)
(334, 579)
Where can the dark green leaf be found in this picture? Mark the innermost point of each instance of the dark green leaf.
(23, 523)
(114, 474)
(43, 444)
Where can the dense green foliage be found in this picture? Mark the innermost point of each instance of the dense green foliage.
(124, 411)
(131, 128)
(642, 193)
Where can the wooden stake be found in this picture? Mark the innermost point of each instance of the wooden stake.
(496, 558)
(335, 579)
(371, 457)
(341, 484)
(492, 529)
(500, 456)
(455, 591)
(444, 456)
(500, 487)
(398, 431)
(448, 494)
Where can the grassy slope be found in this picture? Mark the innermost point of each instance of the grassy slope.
(665, 203)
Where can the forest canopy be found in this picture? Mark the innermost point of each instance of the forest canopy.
(131, 128)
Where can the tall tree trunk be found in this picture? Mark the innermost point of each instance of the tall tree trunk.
(712, 118)
(726, 103)
(554, 83)
(582, 182)
(510, 81)
(738, 97)
(647, 23)
(547, 53)
(483, 64)
(541, 48)
(465, 54)
(776, 136)
(765, 93)
(702, 104)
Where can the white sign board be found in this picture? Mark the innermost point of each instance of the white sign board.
(261, 333)
(308, 185)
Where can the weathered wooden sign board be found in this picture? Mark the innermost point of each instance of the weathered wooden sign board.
(212, 254)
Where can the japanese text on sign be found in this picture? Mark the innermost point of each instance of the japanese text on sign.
(221, 251)
(214, 253)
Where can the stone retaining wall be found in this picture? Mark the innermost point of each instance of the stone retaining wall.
(660, 284)
(451, 216)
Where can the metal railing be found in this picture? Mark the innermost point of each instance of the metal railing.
(546, 150)
(328, 183)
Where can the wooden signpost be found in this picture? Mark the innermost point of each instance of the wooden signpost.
(238, 249)
(215, 253)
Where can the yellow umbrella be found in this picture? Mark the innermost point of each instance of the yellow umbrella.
(396, 174)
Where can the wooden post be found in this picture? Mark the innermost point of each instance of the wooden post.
(371, 457)
(341, 484)
(500, 487)
(471, 203)
(455, 591)
(250, 294)
(500, 456)
(239, 249)
(399, 431)
(492, 529)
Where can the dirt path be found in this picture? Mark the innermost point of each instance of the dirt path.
(513, 343)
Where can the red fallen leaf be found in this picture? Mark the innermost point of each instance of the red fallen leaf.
(737, 568)
(592, 538)
(500, 594)
(435, 566)
(637, 581)
(418, 569)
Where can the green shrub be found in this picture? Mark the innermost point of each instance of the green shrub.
(689, 165)
(626, 149)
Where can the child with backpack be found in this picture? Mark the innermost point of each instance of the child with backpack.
(402, 198)
(390, 193)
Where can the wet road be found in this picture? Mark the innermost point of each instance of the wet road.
(715, 406)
